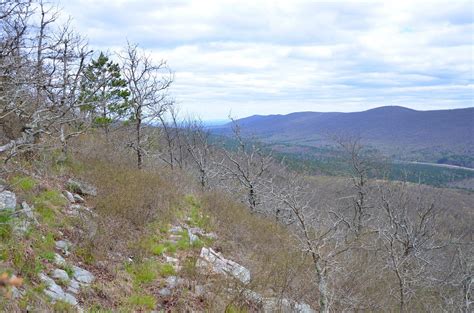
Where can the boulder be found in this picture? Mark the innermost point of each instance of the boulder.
(64, 246)
(28, 212)
(82, 276)
(59, 260)
(55, 292)
(7, 200)
(217, 263)
(78, 198)
(81, 188)
(60, 274)
(73, 286)
(69, 196)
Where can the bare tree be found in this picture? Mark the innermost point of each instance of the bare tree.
(248, 165)
(148, 83)
(407, 234)
(199, 150)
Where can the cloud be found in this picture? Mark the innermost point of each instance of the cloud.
(262, 57)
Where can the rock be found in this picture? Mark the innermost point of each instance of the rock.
(59, 260)
(170, 259)
(219, 264)
(174, 281)
(74, 286)
(16, 293)
(64, 246)
(27, 210)
(21, 227)
(192, 237)
(7, 200)
(176, 229)
(82, 276)
(69, 196)
(175, 237)
(81, 188)
(273, 304)
(165, 292)
(61, 275)
(55, 292)
(78, 198)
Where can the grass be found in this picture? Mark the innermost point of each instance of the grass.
(142, 273)
(5, 225)
(23, 183)
(143, 302)
(167, 270)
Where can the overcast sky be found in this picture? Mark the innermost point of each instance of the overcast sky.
(268, 57)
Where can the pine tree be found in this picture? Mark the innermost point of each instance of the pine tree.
(104, 93)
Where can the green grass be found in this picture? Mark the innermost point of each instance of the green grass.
(158, 249)
(142, 273)
(23, 183)
(167, 270)
(50, 197)
(5, 225)
(144, 302)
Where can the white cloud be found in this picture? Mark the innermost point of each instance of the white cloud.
(262, 57)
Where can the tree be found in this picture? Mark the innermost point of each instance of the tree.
(249, 166)
(148, 83)
(104, 93)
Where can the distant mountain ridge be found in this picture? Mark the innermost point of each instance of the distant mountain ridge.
(389, 128)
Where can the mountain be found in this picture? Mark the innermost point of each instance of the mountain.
(389, 128)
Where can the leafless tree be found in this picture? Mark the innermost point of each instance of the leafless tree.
(148, 84)
(248, 165)
(199, 150)
(407, 234)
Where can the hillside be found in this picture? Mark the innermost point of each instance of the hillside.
(392, 129)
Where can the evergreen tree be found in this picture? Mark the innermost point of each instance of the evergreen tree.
(104, 93)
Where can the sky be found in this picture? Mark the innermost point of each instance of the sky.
(275, 57)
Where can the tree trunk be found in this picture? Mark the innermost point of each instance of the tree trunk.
(139, 144)
(323, 289)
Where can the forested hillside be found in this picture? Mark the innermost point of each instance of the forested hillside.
(111, 201)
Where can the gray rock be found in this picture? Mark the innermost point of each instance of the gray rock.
(81, 188)
(55, 292)
(176, 229)
(170, 259)
(59, 260)
(78, 198)
(83, 276)
(192, 237)
(21, 227)
(27, 211)
(73, 286)
(69, 196)
(7, 200)
(217, 263)
(165, 292)
(64, 246)
(174, 281)
(61, 275)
